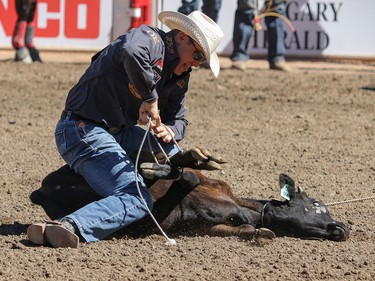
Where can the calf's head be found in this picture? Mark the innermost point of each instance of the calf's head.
(301, 216)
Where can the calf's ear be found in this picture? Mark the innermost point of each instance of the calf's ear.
(287, 187)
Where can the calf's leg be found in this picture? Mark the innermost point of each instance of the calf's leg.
(261, 236)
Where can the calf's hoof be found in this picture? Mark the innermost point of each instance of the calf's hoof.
(264, 236)
(153, 171)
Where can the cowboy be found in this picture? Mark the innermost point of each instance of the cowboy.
(142, 75)
(210, 7)
(243, 28)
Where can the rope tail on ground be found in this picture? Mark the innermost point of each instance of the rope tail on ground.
(169, 241)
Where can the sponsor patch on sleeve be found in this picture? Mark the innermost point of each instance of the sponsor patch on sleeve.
(153, 36)
(133, 91)
(181, 83)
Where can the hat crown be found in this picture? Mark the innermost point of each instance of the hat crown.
(201, 29)
(210, 31)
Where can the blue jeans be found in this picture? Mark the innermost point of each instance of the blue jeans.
(210, 7)
(243, 28)
(102, 159)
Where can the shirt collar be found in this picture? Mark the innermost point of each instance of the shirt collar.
(171, 57)
(171, 51)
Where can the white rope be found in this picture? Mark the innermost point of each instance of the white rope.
(350, 201)
(160, 147)
(169, 241)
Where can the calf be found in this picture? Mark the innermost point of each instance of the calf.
(197, 205)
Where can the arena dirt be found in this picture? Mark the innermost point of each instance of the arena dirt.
(316, 123)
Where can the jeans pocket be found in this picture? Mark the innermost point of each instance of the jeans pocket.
(69, 142)
(61, 141)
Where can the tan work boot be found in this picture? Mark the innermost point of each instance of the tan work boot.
(53, 233)
(279, 65)
(239, 64)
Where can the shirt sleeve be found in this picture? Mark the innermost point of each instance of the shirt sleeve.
(173, 111)
(143, 48)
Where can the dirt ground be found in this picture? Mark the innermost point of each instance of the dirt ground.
(316, 123)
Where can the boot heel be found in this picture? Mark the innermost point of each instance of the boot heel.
(35, 233)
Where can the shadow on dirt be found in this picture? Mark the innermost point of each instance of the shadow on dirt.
(368, 88)
(13, 229)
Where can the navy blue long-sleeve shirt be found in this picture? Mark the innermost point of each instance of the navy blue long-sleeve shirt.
(136, 67)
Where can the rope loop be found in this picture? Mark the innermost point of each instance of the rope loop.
(147, 131)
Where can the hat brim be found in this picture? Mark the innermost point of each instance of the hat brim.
(176, 20)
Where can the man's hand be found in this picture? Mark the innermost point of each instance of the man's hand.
(148, 109)
(162, 131)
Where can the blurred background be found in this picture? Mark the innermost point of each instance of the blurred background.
(342, 29)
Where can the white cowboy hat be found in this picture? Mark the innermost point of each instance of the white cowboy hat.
(201, 29)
